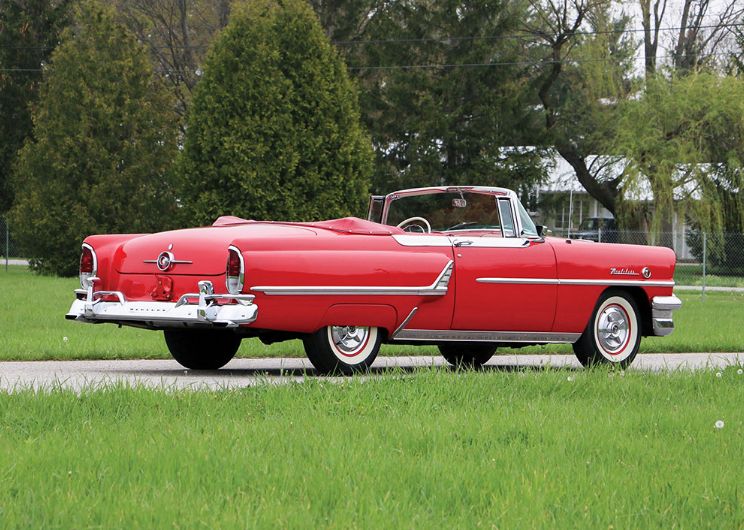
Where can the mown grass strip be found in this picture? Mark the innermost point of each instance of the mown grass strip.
(432, 449)
(692, 274)
(32, 327)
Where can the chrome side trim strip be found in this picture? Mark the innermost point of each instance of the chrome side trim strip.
(438, 288)
(578, 281)
(426, 240)
(404, 323)
(491, 242)
(435, 335)
(423, 240)
(628, 283)
(539, 281)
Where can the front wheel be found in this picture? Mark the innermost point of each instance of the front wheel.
(467, 354)
(202, 349)
(343, 349)
(613, 334)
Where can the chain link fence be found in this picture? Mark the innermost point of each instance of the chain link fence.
(704, 260)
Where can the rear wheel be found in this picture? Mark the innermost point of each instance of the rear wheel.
(613, 334)
(343, 349)
(467, 354)
(202, 349)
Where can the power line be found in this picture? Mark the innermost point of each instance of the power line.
(521, 36)
(505, 63)
(445, 39)
(546, 62)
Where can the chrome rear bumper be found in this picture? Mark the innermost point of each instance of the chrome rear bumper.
(205, 312)
(661, 314)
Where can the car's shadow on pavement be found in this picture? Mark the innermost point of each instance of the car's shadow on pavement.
(374, 371)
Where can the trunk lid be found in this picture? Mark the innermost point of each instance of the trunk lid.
(194, 251)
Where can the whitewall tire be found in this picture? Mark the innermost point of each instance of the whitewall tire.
(613, 334)
(343, 349)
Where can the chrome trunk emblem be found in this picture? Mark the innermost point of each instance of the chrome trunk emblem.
(166, 260)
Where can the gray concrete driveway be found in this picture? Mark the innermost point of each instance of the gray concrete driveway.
(248, 372)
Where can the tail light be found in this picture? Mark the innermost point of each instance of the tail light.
(235, 271)
(88, 265)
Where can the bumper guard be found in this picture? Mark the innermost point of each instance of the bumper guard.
(661, 314)
(205, 312)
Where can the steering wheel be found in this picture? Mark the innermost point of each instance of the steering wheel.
(426, 229)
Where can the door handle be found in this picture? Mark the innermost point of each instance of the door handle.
(463, 243)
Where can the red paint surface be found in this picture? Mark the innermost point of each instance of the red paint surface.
(359, 253)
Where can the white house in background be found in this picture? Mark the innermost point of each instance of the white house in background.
(563, 203)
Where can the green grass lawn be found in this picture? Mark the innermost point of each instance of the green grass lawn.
(32, 326)
(431, 449)
(692, 274)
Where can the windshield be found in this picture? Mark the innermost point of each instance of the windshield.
(455, 210)
(448, 211)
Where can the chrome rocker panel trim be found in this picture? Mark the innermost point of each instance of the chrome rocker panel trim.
(438, 288)
(404, 323)
(662, 308)
(434, 335)
(166, 314)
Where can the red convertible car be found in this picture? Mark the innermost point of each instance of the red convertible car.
(463, 268)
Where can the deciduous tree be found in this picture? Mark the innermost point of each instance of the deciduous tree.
(178, 34)
(700, 28)
(584, 75)
(683, 142)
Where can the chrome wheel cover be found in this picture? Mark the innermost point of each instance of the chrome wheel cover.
(613, 328)
(349, 340)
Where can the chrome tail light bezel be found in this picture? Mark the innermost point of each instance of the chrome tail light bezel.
(85, 276)
(234, 284)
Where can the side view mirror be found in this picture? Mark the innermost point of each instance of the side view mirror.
(543, 230)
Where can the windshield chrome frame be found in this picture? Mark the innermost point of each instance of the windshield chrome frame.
(485, 190)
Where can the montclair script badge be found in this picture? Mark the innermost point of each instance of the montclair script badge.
(645, 272)
(623, 272)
